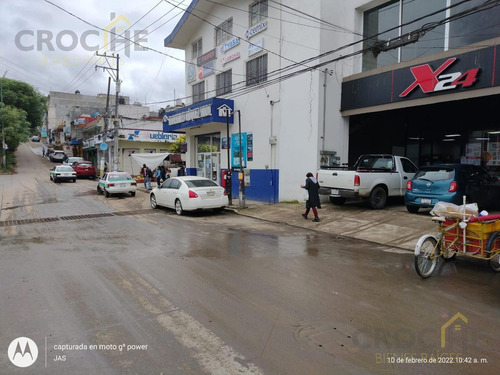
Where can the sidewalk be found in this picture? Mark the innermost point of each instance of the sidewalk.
(392, 226)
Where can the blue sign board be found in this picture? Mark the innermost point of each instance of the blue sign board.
(196, 114)
(236, 149)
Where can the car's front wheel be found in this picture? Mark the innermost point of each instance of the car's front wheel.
(152, 201)
(106, 193)
(178, 207)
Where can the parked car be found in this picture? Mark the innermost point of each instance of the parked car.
(35, 138)
(71, 159)
(449, 183)
(62, 173)
(116, 183)
(84, 169)
(189, 193)
(57, 156)
(373, 178)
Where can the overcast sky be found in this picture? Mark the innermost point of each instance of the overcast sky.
(48, 48)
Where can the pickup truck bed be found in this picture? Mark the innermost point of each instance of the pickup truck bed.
(375, 177)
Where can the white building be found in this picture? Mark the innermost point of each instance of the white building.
(323, 81)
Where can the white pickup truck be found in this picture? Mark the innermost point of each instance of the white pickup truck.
(374, 177)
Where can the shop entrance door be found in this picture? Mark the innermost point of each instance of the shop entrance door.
(209, 165)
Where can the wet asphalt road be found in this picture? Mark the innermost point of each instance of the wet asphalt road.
(110, 286)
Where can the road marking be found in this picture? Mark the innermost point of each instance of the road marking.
(210, 351)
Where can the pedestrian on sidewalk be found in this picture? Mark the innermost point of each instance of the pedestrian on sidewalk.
(144, 173)
(313, 202)
(43, 151)
(158, 176)
(149, 176)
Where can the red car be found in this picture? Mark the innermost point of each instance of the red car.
(84, 169)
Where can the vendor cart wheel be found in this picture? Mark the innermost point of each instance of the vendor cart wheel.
(426, 256)
(493, 248)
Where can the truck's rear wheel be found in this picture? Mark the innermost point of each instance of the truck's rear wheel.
(378, 198)
(337, 200)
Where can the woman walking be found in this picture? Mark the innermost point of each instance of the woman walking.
(312, 202)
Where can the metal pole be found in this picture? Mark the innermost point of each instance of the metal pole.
(242, 173)
(228, 174)
(115, 161)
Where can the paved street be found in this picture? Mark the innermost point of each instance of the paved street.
(110, 286)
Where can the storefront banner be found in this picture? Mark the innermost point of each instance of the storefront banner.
(148, 136)
(236, 149)
(230, 44)
(463, 72)
(196, 114)
(255, 47)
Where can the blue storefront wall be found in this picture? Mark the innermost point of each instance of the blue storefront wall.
(264, 184)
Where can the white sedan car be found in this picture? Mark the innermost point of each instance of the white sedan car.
(116, 183)
(189, 193)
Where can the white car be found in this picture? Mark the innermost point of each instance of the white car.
(116, 183)
(62, 173)
(71, 159)
(189, 193)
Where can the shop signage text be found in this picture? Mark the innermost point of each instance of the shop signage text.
(190, 115)
(206, 70)
(229, 58)
(230, 44)
(256, 29)
(433, 81)
(255, 47)
(203, 59)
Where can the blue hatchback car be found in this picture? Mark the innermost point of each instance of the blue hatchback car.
(449, 183)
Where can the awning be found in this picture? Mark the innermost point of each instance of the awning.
(152, 160)
(175, 158)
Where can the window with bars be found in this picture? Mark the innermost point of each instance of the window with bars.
(257, 70)
(224, 82)
(199, 92)
(197, 48)
(224, 32)
(258, 12)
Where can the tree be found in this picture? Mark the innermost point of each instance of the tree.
(23, 96)
(177, 145)
(16, 126)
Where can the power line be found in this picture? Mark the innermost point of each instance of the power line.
(107, 44)
(244, 90)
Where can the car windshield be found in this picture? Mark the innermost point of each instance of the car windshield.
(84, 165)
(200, 183)
(118, 177)
(435, 174)
(65, 169)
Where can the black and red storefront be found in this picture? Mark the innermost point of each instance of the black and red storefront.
(444, 110)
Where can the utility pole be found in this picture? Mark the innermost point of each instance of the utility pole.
(4, 159)
(115, 73)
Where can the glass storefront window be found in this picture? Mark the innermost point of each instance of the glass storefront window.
(472, 28)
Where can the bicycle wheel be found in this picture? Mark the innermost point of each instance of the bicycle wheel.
(492, 247)
(426, 256)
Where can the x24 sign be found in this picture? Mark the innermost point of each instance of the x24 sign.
(434, 80)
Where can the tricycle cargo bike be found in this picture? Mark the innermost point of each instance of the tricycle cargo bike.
(459, 233)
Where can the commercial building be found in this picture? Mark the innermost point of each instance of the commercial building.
(321, 82)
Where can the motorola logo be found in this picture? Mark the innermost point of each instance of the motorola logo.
(23, 352)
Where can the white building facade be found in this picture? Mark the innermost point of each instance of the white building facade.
(321, 82)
